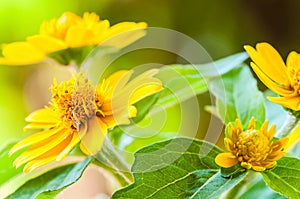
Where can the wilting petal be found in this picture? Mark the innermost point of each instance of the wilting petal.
(92, 141)
(226, 160)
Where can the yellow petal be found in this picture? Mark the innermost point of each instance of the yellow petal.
(48, 145)
(279, 144)
(258, 168)
(266, 79)
(92, 141)
(79, 36)
(45, 115)
(293, 60)
(145, 91)
(32, 126)
(33, 165)
(21, 53)
(292, 102)
(293, 137)
(46, 43)
(271, 132)
(123, 34)
(269, 61)
(75, 140)
(252, 123)
(33, 139)
(226, 160)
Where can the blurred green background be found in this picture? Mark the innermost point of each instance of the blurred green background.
(221, 27)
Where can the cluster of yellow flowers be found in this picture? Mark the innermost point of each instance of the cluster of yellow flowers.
(70, 31)
(81, 113)
(255, 148)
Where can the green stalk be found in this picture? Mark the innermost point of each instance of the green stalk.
(290, 124)
(113, 161)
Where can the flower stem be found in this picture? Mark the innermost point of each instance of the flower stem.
(112, 160)
(290, 124)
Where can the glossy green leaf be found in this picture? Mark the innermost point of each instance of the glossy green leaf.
(182, 82)
(285, 177)
(51, 181)
(177, 168)
(238, 97)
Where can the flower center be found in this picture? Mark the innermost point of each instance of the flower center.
(74, 100)
(252, 146)
(295, 79)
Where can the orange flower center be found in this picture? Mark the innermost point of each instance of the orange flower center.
(252, 146)
(74, 100)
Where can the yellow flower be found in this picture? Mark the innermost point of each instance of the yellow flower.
(283, 79)
(254, 149)
(71, 31)
(81, 113)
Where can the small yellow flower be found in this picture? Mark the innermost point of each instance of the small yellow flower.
(81, 113)
(283, 79)
(254, 149)
(70, 31)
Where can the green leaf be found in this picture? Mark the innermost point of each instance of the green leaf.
(285, 177)
(232, 171)
(238, 97)
(177, 168)
(7, 170)
(144, 107)
(53, 180)
(257, 189)
(182, 82)
(274, 112)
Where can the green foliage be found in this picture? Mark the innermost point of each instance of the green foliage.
(237, 96)
(52, 181)
(177, 168)
(285, 177)
(255, 187)
(7, 170)
(185, 81)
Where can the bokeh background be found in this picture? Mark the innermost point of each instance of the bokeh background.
(221, 27)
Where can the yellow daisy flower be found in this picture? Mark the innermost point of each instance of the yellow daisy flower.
(70, 31)
(283, 79)
(81, 113)
(254, 149)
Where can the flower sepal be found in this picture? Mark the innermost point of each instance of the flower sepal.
(76, 55)
(233, 171)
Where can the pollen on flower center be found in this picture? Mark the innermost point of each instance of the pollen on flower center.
(251, 146)
(74, 100)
